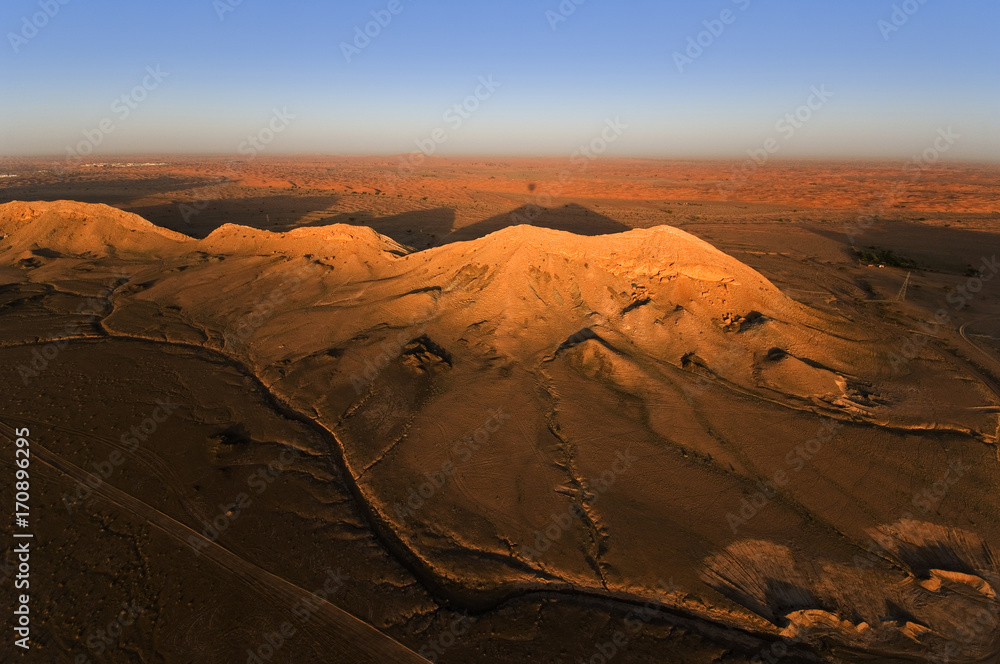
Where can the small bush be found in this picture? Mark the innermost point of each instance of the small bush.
(880, 256)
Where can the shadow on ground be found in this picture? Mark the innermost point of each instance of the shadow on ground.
(86, 189)
(270, 213)
(572, 218)
(950, 250)
(420, 229)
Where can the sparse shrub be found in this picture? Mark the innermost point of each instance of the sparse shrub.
(882, 256)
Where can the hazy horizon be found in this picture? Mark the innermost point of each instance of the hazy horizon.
(707, 158)
(531, 78)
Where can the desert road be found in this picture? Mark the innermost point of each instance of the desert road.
(963, 330)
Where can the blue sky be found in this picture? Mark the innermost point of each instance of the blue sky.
(228, 66)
